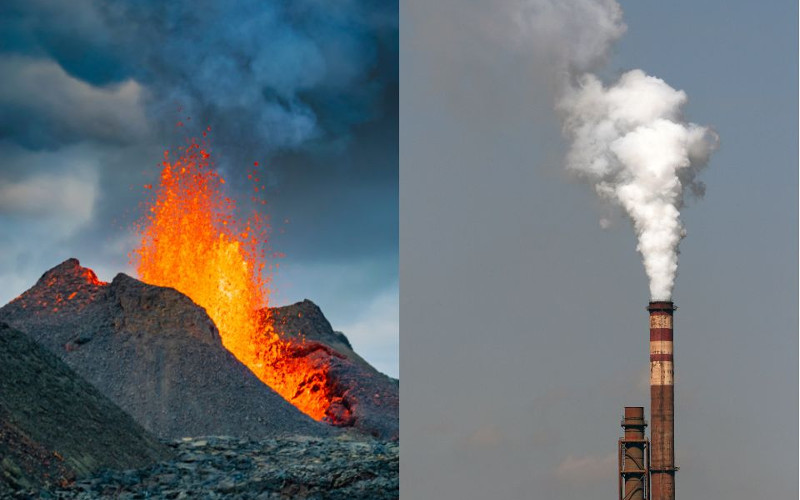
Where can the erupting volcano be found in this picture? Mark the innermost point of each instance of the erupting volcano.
(193, 240)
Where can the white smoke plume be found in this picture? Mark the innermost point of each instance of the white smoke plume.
(628, 139)
(631, 142)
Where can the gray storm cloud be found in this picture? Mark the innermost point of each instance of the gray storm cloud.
(629, 140)
(45, 107)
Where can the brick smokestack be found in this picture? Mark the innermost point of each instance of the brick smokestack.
(662, 402)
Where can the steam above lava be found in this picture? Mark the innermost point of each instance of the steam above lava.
(630, 141)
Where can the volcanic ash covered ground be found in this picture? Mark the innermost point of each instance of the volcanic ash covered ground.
(155, 354)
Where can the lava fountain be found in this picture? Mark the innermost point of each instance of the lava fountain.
(193, 241)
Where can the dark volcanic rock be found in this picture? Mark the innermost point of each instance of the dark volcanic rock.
(365, 398)
(153, 352)
(54, 425)
(344, 467)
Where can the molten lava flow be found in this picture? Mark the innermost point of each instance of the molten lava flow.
(192, 241)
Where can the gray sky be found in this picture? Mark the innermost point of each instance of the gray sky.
(89, 99)
(524, 323)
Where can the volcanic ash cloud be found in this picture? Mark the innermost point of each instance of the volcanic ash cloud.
(631, 142)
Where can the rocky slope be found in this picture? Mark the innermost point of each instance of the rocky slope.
(55, 426)
(157, 355)
(364, 398)
(153, 352)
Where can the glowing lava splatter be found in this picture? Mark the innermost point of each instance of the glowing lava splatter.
(191, 240)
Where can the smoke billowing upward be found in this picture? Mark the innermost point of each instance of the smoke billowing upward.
(269, 75)
(628, 139)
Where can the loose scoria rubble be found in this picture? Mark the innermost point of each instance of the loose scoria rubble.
(225, 467)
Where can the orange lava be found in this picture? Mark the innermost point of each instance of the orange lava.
(91, 278)
(191, 240)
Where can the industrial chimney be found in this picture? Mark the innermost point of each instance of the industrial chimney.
(662, 406)
(633, 456)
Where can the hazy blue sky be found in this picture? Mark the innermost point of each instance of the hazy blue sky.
(89, 99)
(524, 330)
